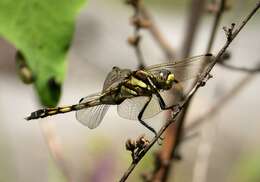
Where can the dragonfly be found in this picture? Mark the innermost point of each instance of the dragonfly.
(138, 94)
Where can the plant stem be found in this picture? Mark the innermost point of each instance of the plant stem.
(201, 82)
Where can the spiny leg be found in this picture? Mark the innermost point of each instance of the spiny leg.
(162, 103)
(140, 115)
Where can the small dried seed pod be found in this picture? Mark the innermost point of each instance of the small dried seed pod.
(145, 23)
(134, 40)
(225, 57)
(142, 142)
(140, 22)
(130, 145)
(135, 21)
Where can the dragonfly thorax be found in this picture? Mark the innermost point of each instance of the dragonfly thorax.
(165, 79)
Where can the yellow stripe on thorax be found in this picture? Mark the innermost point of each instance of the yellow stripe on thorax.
(136, 82)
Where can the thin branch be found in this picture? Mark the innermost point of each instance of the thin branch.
(143, 20)
(208, 133)
(220, 10)
(242, 69)
(221, 103)
(138, 23)
(156, 33)
(201, 82)
(174, 133)
(195, 15)
(205, 146)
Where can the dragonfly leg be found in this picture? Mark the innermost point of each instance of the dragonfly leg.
(140, 115)
(162, 103)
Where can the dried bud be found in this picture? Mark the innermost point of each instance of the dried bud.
(145, 23)
(142, 142)
(229, 31)
(134, 40)
(225, 57)
(140, 22)
(130, 145)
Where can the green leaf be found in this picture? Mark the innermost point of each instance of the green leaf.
(42, 31)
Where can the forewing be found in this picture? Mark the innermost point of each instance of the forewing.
(178, 92)
(115, 77)
(185, 69)
(130, 108)
(92, 116)
(186, 72)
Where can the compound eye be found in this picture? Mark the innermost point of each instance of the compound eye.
(164, 74)
(161, 75)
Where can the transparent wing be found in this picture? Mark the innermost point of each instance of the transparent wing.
(185, 69)
(186, 72)
(130, 108)
(115, 77)
(92, 116)
(178, 92)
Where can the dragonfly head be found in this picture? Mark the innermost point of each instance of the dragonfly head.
(165, 79)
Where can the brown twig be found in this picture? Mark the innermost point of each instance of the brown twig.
(143, 20)
(138, 23)
(217, 18)
(207, 137)
(221, 103)
(219, 7)
(205, 146)
(195, 14)
(242, 69)
(156, 33)
(201, 82)
(174, 133)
